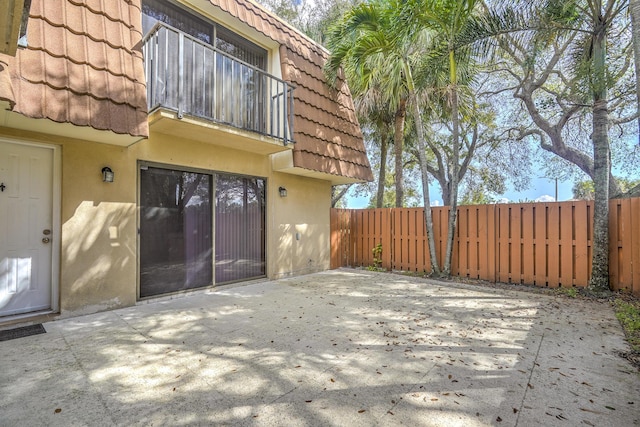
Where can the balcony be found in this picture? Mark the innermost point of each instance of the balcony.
(201, 85)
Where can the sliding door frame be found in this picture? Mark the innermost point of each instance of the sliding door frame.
(141, 165)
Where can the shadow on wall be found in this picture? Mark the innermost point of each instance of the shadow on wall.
(98, 257)
(302, 248)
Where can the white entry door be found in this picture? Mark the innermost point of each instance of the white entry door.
(26, 208)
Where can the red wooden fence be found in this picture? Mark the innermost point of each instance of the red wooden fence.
(543, 244)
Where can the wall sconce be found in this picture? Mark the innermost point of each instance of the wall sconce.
(282, 191)
(107, 174)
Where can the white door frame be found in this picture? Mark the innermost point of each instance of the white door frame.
(55, 221)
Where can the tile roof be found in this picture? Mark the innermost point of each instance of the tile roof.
(83, 66)
(326, 131)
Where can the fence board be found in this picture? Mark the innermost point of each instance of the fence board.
(540, 245)
(553, 244)
(545, 244)
(400, 236)
(473, 267)
(581, 245)
(528, 243)
(614, 239)
(387, 255)
(565, 244)
(624, 244)
(502, 246)
(634, 231)
(462, 232)
(422, 251)
(491, 244)
(516, 244)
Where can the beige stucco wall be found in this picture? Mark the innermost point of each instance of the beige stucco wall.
(98, 247)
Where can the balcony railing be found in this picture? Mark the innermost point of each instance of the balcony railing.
(193, 78)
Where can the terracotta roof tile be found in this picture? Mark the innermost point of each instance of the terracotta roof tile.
(326, 131)
(83, 65)
(6, 88)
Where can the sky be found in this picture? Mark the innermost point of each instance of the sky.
(541, 190)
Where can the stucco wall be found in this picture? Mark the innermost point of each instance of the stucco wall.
(98, 248)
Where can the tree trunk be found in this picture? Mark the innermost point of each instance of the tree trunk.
(634, 11)
(382, 174)
(398, 140)
(455, 166)
(336, 196)
(601, 166)
(426, 198)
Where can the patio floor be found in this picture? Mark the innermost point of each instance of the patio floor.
(344, 348)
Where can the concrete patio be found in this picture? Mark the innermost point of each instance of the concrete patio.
(339, 348)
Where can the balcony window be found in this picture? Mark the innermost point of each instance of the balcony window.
(200, 68)
(154, 11)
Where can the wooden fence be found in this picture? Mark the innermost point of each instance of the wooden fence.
(542, 244)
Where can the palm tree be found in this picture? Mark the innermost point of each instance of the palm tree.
(360, 43)
(447, 20)
(373, 111)
(371, 45)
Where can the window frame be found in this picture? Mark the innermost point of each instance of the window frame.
(250, 49)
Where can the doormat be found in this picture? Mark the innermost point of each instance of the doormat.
(23, 331)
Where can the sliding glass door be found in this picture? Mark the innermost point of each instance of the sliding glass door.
(177, 229)
(240, 245)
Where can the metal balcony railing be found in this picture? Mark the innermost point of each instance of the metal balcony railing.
(193, 78)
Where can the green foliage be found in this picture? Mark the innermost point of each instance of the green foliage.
(585, 190)
(569, 292)
(628, 313)
(377, 258)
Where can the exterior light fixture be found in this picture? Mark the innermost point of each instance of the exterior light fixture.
(282, 191)
(107, 174)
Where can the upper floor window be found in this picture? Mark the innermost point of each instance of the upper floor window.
(222, 38)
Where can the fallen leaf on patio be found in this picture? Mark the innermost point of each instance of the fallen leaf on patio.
(361, 411)
(308, 401)
(332, 380)
(530, 385)
(174, 389)
(389, 412)
(590, 410)
(297, 366)
(449, 376)
(57, 411)
(586, 383)
(515, 411)
(609, 407)
(499, 419)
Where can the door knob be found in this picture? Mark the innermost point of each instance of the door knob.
(45, 240)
